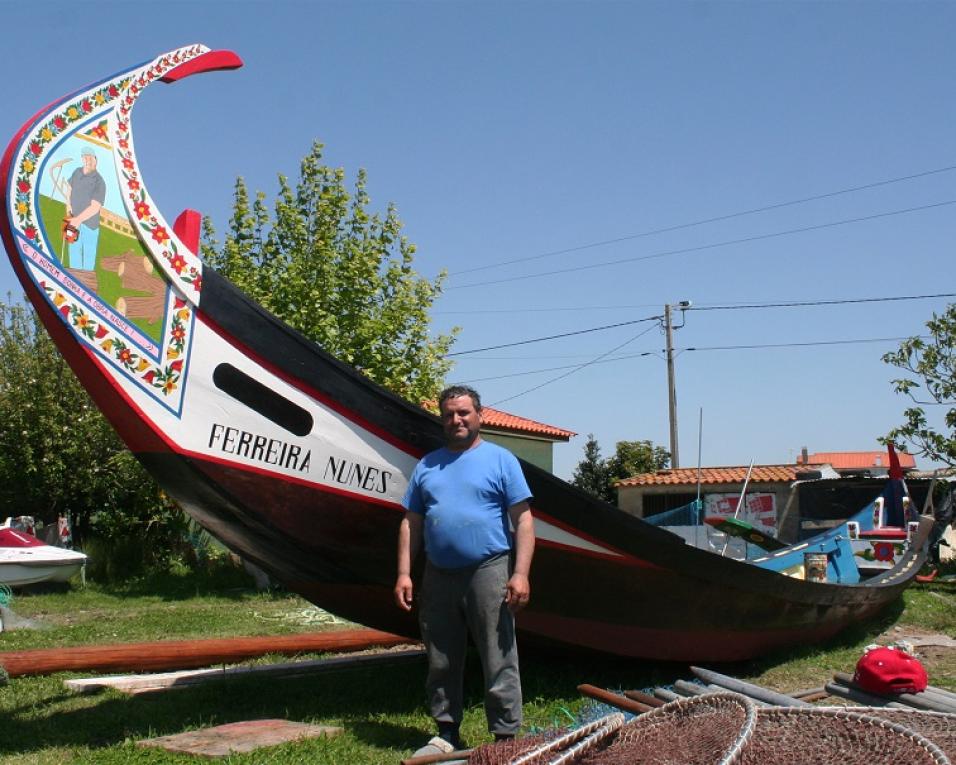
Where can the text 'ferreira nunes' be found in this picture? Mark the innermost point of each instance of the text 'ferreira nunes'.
(253, 446)
(274, 451)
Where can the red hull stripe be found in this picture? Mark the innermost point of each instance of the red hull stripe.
(668, 644)
(616, 555)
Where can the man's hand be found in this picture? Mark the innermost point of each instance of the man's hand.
(518, 592)
(404, 590)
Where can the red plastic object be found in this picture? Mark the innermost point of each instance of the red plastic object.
(887, 671)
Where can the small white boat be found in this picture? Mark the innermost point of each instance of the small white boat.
(24, 560)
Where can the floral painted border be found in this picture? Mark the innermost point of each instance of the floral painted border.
(164, 378)
(184, 267)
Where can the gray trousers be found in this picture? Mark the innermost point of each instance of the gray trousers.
(456, 602)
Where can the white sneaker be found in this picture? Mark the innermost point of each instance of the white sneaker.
(437, 745)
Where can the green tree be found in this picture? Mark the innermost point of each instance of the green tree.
(591, 473)
(339, 274)
(597, 476)
(633, 457)
(930, 365)
(58, 453)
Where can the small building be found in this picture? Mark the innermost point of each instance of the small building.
(849, 464)
(530, 440)
(769, 495)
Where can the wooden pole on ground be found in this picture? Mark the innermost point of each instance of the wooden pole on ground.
(613, 699)
(187, 654)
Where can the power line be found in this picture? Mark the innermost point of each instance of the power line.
(717, 219)
(593, 362)
(550, 310)
(604, 360)
(798, 345)
(718, 307)
(842, 301)
(554, 337)
(576, 369)
(750, 306)
(711, 246)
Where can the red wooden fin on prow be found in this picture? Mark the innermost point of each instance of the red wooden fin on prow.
(187, 228)
(895, 470)
(213, 61)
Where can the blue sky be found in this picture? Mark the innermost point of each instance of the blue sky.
(507, 131)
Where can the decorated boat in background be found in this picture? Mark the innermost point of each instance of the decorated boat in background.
(298, 462)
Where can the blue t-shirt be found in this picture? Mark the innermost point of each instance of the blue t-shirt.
(465, 497)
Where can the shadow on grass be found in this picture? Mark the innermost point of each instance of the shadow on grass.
(354, 698)
(223, 582)
(861, 633)
(382, 707)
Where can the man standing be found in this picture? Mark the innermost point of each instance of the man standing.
(463, 501)
(86, 194)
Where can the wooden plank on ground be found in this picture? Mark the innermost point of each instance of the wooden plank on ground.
(238, 737)
(188, 654)
(166, 681)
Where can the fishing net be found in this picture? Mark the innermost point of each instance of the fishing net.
(799, 736)
(551, 748)
(729, 729)
(938, 727)
(703, 730)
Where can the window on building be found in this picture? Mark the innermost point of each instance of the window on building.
(660, 503)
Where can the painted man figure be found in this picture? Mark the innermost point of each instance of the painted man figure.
(86, 194)
(468, 502)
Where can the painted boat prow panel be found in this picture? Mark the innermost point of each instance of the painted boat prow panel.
(298, 462)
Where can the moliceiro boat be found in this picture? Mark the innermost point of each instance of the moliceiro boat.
(298, 462)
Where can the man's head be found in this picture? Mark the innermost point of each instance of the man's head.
(89, 159)
(460, 408)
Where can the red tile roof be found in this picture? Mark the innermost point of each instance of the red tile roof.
(860, 460)
(717, 475)
(495, 419)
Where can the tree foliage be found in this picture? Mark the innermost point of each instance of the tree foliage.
(633, 457)
(597, 475)
(591, 473)
(930, 365)
(339, 274)
(58, 453)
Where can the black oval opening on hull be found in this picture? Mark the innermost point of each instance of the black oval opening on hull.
(262, 399)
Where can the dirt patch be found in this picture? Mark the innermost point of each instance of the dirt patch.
(936, 652)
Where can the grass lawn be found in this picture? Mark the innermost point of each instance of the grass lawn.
(382, 708)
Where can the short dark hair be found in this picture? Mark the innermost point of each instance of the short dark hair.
(454, 391)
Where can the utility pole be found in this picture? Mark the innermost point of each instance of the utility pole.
(671, 386)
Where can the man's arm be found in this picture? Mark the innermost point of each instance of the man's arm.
(519, 587)
(409, 543)
(92, 209)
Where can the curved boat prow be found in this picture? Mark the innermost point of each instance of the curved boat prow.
(212, 61)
